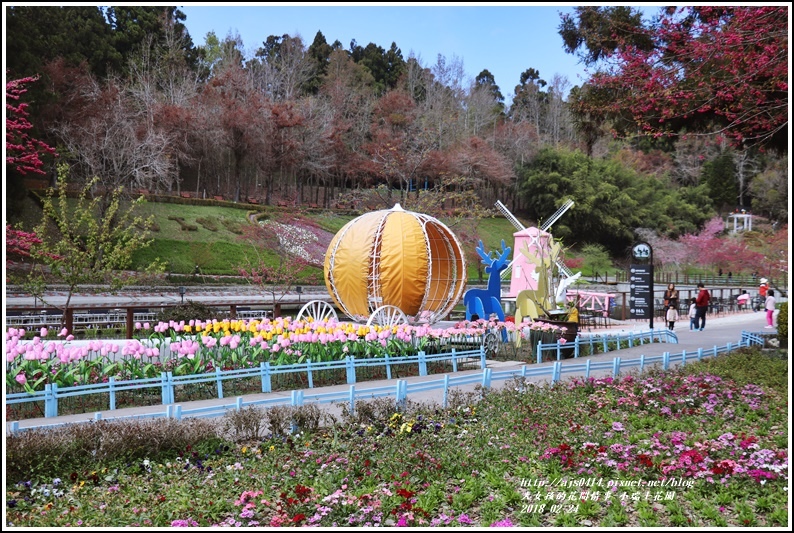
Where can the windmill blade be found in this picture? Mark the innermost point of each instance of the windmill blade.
(506, 272)
(509, 216)
(564, 269)
(553, 218)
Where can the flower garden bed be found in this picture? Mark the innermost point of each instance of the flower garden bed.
(202, 347)
(704, 445)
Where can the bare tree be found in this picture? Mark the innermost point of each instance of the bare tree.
(557, 118)
(482, 111)
(109, 138)
(284, 67)
(441, 111)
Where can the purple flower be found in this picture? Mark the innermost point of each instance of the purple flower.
(503, 523)
(184, 523)
(464, 519)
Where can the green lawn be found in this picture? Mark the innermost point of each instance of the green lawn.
(209, 236)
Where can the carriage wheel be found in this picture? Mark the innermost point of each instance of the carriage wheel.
(318, 311)
(387, 316)
(491, 342)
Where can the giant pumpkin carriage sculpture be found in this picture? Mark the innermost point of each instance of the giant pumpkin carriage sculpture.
(392, 267)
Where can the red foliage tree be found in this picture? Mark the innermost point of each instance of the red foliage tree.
(23, 152)
(718, 70)
(19, 243)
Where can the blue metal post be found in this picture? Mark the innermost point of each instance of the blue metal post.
(486, 378)
(422, 364)
(351, 370)
(264, 368)
(219, 381)
(112, 385)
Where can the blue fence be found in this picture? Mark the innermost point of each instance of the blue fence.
(604, 343)
(167, 382)
(402, 389)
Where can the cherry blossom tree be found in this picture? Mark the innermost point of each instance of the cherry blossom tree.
(23, 151)
(697, 70)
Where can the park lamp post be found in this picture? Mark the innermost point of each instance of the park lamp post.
(299, 290)
(182, 291)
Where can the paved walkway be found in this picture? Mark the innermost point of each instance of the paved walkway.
(718, 332)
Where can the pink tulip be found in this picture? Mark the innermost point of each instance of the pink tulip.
(44, 332)
(21, 379)
(233, 344)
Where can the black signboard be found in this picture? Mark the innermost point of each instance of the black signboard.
(641, 291)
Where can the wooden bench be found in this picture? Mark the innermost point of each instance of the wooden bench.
(184, 194)
(283, 204)
(218, 197)
(252, 200)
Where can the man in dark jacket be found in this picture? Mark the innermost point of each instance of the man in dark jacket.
(701, 306)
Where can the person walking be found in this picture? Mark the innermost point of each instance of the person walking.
(770, 308)
(671, 317)
(671, 296)
(692, 314)
(763, 287)
(701, 306)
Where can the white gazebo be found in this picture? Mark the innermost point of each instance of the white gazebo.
(743, 218)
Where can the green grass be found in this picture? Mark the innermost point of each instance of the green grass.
(220, 252)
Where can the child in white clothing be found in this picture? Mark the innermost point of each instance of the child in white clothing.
(692, 314)
(671, 316)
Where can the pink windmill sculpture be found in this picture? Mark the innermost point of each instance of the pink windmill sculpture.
(533, 282)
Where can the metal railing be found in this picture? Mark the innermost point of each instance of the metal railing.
(167, 383)
(402, 389)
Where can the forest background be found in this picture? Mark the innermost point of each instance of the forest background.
(684, 121)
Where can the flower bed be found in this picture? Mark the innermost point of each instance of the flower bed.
(202, 346)
(692, 447)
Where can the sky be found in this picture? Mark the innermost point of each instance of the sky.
(506, 39)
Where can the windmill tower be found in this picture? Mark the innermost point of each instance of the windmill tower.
(535, 256)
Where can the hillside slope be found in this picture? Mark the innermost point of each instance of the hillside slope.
(212, 237)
